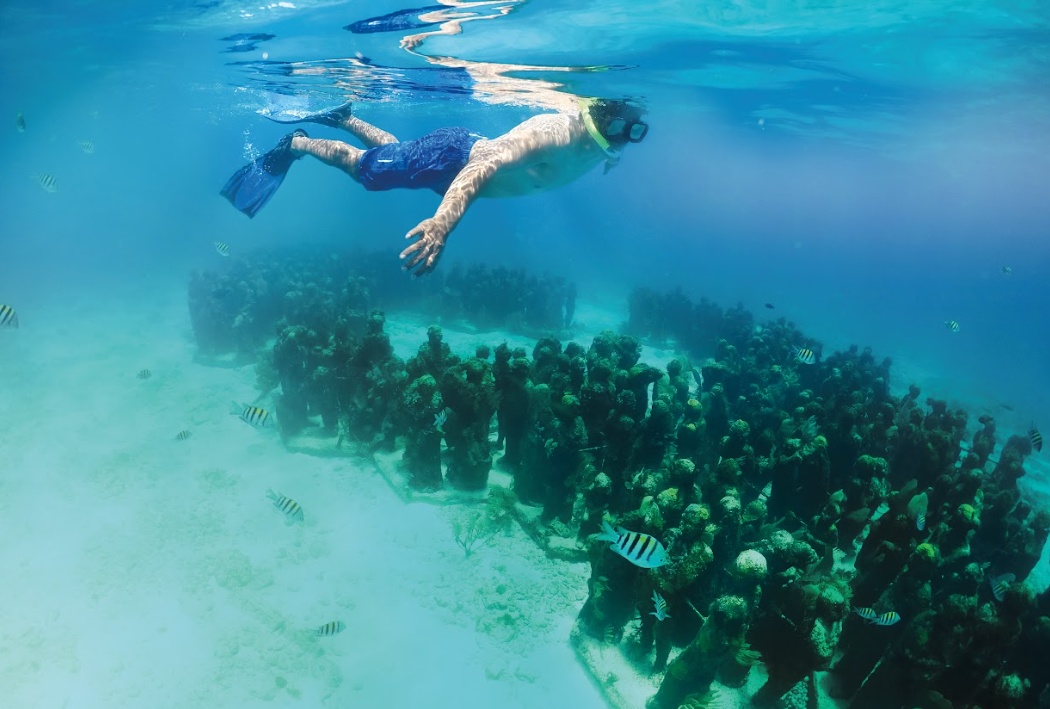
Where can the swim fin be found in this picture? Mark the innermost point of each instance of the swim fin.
(333, 118)
(250, 188)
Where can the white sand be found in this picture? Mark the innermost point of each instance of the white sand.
(142, 571)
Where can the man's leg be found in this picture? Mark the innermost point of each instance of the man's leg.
(367, 133)
(331, 152)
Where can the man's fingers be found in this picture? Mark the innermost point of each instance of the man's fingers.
(412, 248)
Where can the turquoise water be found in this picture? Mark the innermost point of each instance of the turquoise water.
(868, 168)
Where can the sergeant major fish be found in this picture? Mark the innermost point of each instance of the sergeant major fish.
(637, 547)
(47, 182)
(8, 317)
(222, 248)
(661, 607)
(330, 628)
(1036, 439)
(292, 510)
(869, 614)
(87, 146)
(20, 122)
(252, 415)
(805, 356)
(1000, 584)
(952, 325)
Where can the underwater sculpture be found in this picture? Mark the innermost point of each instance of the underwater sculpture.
(810, 519)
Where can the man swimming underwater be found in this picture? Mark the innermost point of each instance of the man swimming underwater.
(545, 151)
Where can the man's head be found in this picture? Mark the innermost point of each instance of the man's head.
(619, 122)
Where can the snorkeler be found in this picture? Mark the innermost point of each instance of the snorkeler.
(545, 151)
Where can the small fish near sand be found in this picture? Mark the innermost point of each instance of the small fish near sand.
(20, 122)
(1035, 438)
(661, 607)
(952, 325)
(144, 374)
(805, 355)
(183, 435)
(1007, 270)
(869, 614)
(87, 147)
(254, 416)
(8, 317)
(47, 182)
(329, 629)
(637, 547)
(292, 510)
(222, 248)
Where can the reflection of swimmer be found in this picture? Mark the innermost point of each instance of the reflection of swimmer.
(545, 151)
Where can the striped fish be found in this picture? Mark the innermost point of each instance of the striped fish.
(87, 146)
(20, 122)
(1033, 435)
(330, 628)
(920, 522)
(292, 510)
(222, 248)
(144, 374)
(805, 356)
(183, 435)
(1000, 583)
(252, 415)
(952, 325)
(46, 181)
(869, 614)
(638, 548)
(661, 607)
(8, 317)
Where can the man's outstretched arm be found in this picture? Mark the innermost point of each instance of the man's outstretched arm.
(537, 133)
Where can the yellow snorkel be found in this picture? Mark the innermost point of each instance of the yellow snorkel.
(588, 122)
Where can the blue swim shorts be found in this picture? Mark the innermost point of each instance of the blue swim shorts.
(431, 162)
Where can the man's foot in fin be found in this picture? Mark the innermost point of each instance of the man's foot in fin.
(250, 188)
(333, 118)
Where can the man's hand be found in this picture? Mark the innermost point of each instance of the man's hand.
(425, 252)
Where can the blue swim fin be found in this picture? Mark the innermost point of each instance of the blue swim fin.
(251, 187)
(333, 118)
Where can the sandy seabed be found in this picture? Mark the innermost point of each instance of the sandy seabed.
(144, 571)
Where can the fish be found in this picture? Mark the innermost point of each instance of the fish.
(1036, 438)
(805, 356)
(1007, 270)
(8, 317)
(698, 379)
(144, 374)
(252, 415)
(20, 122)
(952, 325)
(183, 435)
(47, 182)
(999, 585)
(330, 628)
(869, 614)
(920, 522)
(292, 510)
(87, 146)
(439, 420)
(770, 306)
(222, 248)
(637, 547)
(661, 607)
